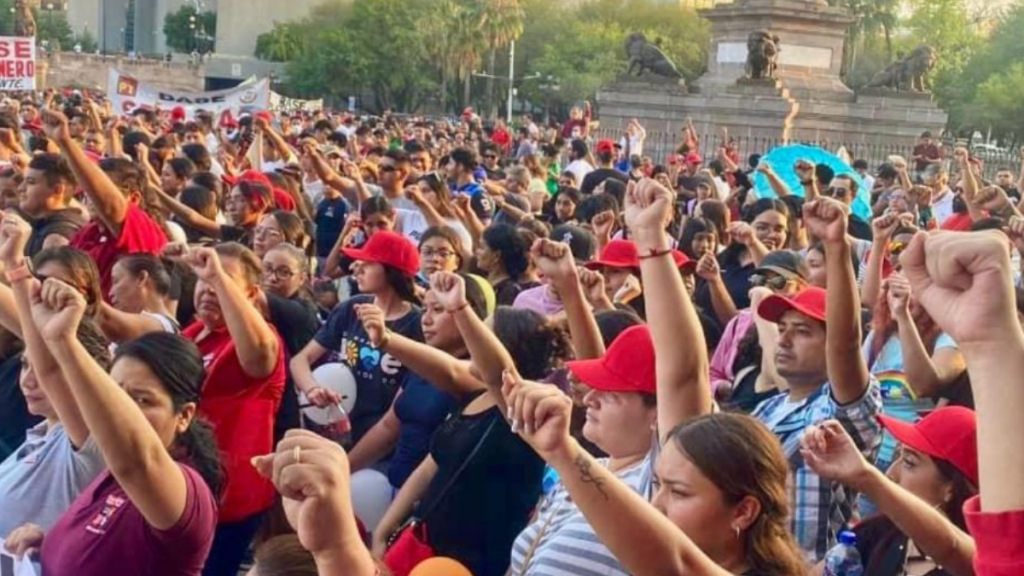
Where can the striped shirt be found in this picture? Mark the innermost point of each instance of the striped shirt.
(568, 545)
(821, 509)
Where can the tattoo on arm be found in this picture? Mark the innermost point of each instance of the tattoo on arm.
(583, 464)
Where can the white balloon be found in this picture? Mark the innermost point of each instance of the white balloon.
(337, 377)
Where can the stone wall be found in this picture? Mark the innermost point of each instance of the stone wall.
(88, 71)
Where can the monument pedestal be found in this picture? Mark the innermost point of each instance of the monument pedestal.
(875, 117)
(749, 108)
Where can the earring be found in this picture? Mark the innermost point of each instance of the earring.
(737, 529)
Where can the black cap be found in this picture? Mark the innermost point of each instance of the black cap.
(581, 241)
(482, 206)
(785, 263)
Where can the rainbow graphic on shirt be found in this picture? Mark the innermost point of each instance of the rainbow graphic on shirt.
(898, 401)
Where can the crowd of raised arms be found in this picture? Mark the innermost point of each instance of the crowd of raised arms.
(323, 344)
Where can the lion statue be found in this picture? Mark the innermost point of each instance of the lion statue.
(646, 56)
(762, 55)
(24, 22)
(907, 74)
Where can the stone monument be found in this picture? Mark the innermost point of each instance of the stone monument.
(774, 72)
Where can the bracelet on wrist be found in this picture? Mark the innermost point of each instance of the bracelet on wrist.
(459, 308)
(386, 339)
(18, 273)
(656, 253)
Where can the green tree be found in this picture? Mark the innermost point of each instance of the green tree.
(876, 20)
(52, 27)
(6, 17)
(586, 49)
(283, 43)
(998, 105)
(503, 24)
(188, 30)
(86, 40)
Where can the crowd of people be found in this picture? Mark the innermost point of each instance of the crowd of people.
(565, 357)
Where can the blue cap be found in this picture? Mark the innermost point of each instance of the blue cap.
(848, 538)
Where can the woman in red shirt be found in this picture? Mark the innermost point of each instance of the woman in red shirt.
(244, 358)
(150, 513)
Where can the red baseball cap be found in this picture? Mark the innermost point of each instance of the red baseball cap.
(693, 158)
(178, 113)
(683, 262)
(249, 176)
(617, 254)
(388, 248)
(809, 302)
(627, 365)
(948, 434)
(605, 147)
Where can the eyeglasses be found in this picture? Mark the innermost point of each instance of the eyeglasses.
(262, 231)
(772, 283)
(442, 253)
(387, 168)
(282, 273)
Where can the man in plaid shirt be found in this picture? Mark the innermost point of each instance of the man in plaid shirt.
(827, 379)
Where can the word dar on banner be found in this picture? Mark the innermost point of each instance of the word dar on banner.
(17, 63)
(11, 566)
(279, 103)
(127, 94)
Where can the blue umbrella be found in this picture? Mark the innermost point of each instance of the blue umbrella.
(783, 159)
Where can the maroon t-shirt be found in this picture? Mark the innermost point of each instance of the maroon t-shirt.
(930, 151)
(103, 533)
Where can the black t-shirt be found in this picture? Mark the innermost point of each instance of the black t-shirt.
(505, 292)
(240, 234)
(14, 416)
(595, 177)
(735, 276)
(496, 174)
(330, 220)
(859, 228)
(490, 502)
(378, 375)
(883, 548)
(1013, 193)
(296, 321)
(688, 183)
(64, 223)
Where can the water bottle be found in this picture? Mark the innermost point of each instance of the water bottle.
(844, 559)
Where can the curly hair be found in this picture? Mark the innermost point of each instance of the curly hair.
(537, 345)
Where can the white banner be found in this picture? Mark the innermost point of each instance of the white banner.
(11, 566)
(279, 103)
(127, 93)
(17, 63)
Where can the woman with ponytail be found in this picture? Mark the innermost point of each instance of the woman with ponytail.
(154, 511)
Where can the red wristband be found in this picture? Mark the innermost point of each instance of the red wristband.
(656, 253)
(460, 308)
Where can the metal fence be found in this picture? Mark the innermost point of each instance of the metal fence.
(660, 145)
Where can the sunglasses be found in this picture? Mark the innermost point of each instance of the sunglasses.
(838, 192)
(490, 157)
(896, 248)
(772, 283)
(387, 168)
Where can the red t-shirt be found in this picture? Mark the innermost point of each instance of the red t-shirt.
(958, 223)
(104, 533)
(139, 233)
(999, 537)
(242, 411)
